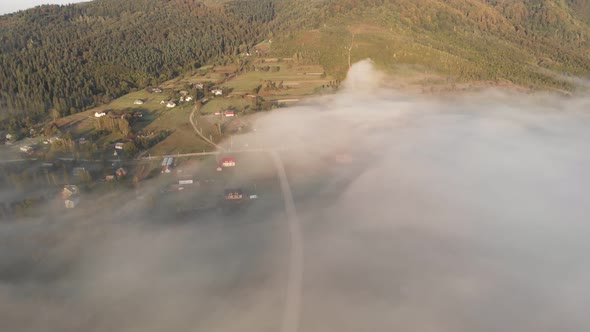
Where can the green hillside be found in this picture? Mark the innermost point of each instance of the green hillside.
(74, 57)
(71, 58)
(466, 39)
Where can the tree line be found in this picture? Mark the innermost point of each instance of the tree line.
(71, 58)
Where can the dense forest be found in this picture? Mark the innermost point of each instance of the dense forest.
(70, 58)
(64, 59)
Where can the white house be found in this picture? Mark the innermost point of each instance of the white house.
(70, 190)
(217, 92)
(199, 85)
(138, 102)
(26, 148)
(188, 98)
(99, 114)
(119, 146)
(170, 104)
(72, 201)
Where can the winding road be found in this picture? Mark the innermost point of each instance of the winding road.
(196, 128)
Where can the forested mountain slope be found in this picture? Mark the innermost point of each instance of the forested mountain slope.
(73, 57)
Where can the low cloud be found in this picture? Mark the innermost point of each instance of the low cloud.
(458, 213)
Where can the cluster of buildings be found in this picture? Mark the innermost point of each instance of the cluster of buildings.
(167, 165)
(227, 113)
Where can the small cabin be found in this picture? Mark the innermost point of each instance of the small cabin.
(228, 162)
(233, 194)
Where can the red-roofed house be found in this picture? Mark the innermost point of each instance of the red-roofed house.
(228, 162)
(229, 113)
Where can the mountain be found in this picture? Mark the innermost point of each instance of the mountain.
(73, 57)
(77, 56)
(520, 41)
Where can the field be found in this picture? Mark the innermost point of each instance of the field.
(298, 80)
(265, 83)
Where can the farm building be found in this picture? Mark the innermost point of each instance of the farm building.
(233, 194)
(228, 162)
(69, 190)
(72, 201)
(121, 172)
(229, 113)
(167, 164)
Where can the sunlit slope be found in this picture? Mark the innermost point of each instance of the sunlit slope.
(466, 39)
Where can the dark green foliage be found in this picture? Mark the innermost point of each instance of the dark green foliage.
(71, 58)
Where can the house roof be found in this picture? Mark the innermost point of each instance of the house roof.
(228, 159)
(71, 187)
(233, 193)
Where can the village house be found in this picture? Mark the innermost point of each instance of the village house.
(171, 104)
(69, 190)
(26, 148)
(10, 138)
(229, 113)
(72, 201)
(183, 93)
(167, 164)
(99, 114)
(119, 146)
(233, 194)
(121, 172)
(199, 86)
(50, 140)
(228, 162)
(217, 92)
(188, 98)
(138, 102)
